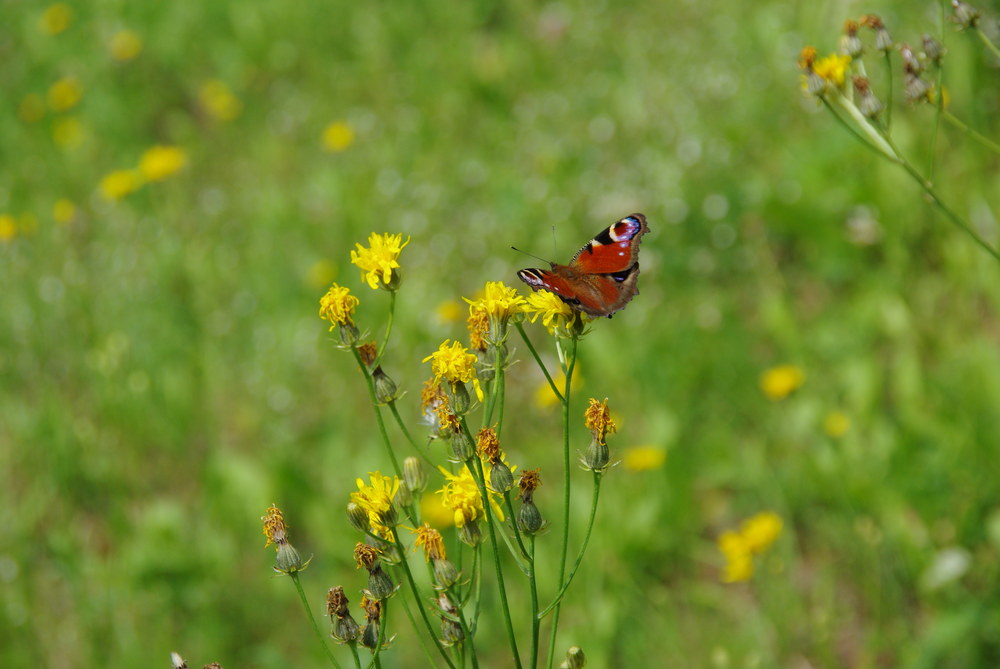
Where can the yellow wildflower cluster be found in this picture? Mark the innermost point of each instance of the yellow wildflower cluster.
(338, 136)
(156, 164)
(753, 538)
(378, 261)
(779, 382)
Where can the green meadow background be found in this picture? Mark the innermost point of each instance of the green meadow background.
(164, 376)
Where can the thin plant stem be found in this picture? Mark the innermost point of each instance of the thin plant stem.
(989, 44)
(469, 636)
(416, 629)
(378, 414)
(931, 162)
(481, 482)
(513, 524)
(583, 547)
(570, 365)
(354, 654)
(888, 97)
(535, 619)
(388, 329)
(985, 141)
(416, 597)
(497, 387)
(406, 433)
(312, 619)
(538, 360)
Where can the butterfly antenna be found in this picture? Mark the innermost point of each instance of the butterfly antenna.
(554, 247)
(532, 255)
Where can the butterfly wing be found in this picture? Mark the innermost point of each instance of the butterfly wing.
(603, 275)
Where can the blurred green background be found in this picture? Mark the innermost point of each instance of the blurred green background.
(165, 377)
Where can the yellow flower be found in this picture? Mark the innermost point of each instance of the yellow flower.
(376, 499)
(160, 162)
(116, 185)
(544, 397)
(65, 94)
(557, 316)
(63, 211)
(8, 227)
(274, 526)
(452, 363)
(779, 382)
(498, 300)
(218, 100)
(461, 495)
(338, 306)
(597, 419)
(68, 132)
(836, 424)
(739, 563)
(761, 530)
(32, 108)
(643, 458)
(478, 325)
(433, 511)
(832, 68)
(448, 311)
(125, 45)
(378, 262)
(338, 136)
(55, 19)
(431, 541)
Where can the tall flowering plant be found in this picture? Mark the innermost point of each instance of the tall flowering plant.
(489, 502)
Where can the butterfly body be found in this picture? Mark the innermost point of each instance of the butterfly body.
(603, 276)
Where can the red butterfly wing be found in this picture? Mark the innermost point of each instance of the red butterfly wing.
(613, 249)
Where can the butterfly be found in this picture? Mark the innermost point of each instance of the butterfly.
(602, 277)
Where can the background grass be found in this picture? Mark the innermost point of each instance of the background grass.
(164, 375)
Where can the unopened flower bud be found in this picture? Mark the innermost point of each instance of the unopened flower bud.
(911, 64)
(529, 518)
(287, 559)
(869, 105)
(597, 456)
(575, 659)
(358, 517)
(403, 497)
(414, 474)
(933, 50)
(470, 534)
(459, 399)
(380, 583)
(349, 334)
(915, 89)
(385, 388)
(501, 478)
(445, 573)
(883, 42)
(461, 446)
(966, 15)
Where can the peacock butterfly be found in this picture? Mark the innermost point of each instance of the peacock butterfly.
(602, 277)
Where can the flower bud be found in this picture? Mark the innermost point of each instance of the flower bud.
(597, 456)
(470, 534)
(403, 497)
(445, 573)
(575, 659)
(358, 517)
(850, 43)
(933, 50)
(459, 398)
(529, 518)
(343, 628)
(385, 388)
(966, 15)
(414, 474)
(287, 559)
(501, 478)
(461, 446)
(380, 583)
(349, 334)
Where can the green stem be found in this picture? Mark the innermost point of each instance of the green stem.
(487, 508)
(538, 360)
(937, 123)
(988, 143)
(513, 524)
(416, 629)
(888, 97)
(312, 619)
(535, 618)
(986, 40)
(583, 548)
(378, 414)
(416, 596)
(496, 388)
(570, 365)
(354, 653)
(388, 329)
(406, 433)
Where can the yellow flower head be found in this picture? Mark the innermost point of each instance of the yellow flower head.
(452, 363)
(832, 68)
(479, 329)
(498, 301)
(448, 311)
(779, 382)
(376, 499)
(125, 45)
(8, 227)
(761, 530)
(116, 185)
(56, 18)
(836, 424)
(557, 316)
(597, 419)
(63, 211)
(274, 526)
(461, 495)
(431, 541)
(338, 136)
(160, 162)
(65, 94)
(643, 458)
(218, 101)
(739, 561)
(338, 306)
(378, 262)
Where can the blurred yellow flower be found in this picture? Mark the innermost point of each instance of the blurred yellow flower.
(116, 185)
(779, 382)
(218, 100)
(448, 311)
(754, 537)
(67, 132)
(56, 18)
(32, 108)
(644, 458)
(836, 424)
(322, 273)
(125, 45)
(63, 211)
(161, 162)
(435, 513)
(545, 398)
(338, 136)
(761, 530)
(8, 228)
(65, 93)
(379, 262)
(832, 68)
